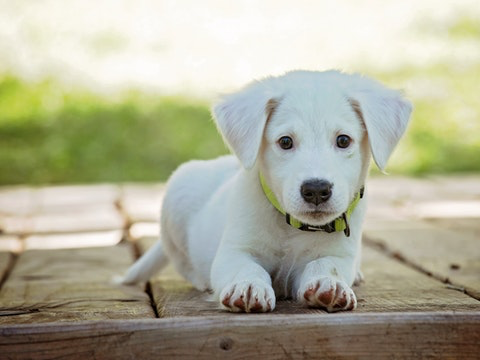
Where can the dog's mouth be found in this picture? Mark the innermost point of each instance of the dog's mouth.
(318, 217)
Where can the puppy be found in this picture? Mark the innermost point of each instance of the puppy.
(283, 217)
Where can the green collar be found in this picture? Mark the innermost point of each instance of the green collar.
(339, 224)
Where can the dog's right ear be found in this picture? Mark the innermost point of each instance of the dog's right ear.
(241, 118)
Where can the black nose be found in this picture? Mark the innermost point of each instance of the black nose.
(316, 191)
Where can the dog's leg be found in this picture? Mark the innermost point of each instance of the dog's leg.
(325, 284)
(241, 284)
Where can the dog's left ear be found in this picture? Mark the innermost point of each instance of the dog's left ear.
(241, 119)
(385, 114)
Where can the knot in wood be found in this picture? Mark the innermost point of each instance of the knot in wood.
(226, 343)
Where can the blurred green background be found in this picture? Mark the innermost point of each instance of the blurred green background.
(50, 136)
(52, 133)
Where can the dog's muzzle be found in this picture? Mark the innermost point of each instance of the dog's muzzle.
(314, 191)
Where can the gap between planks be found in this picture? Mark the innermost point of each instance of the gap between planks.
(6, 271)
(389, 244)
(137, 253)
(390, 286)
(397, 255)
(71, 285)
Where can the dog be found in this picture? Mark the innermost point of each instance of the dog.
(282, 217)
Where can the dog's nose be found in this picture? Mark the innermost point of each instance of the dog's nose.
(316, 191)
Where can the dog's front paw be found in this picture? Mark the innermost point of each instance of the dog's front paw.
(248, 296)
(333, 295)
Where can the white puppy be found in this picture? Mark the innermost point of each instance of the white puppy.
(284, 217)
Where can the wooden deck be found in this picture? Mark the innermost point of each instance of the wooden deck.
(421, 297)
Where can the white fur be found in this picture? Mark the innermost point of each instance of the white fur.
(223, 234)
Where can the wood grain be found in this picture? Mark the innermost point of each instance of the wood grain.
(71, 285)
(391, 285)
(59, 209)
(142, 203)
(5, 259)
(390, 335)
(451, 256)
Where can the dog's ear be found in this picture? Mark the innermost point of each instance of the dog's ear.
(241, 118)
(385, 114)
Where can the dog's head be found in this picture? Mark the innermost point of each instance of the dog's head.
(310, 134)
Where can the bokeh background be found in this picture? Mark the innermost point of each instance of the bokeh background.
(114, 91)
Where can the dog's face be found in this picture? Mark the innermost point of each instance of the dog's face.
(314, 152)
(311, 135)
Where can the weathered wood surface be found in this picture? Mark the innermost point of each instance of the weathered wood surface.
(450, 255)
(419, 300)
(94, 218)
(390, 286)
(142, 203)
(433, 225)
(71, 285)
(5, 260)
(73, 240)
(448, 335)
(11, 243)
(30, 200)
(59, 209)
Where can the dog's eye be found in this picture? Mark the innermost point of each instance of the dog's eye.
(343, 141)
(285, 142)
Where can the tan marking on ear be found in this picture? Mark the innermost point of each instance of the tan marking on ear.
(358, 110)
(270, 108)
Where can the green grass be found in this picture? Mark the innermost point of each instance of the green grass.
(48, 135)
(444, 132)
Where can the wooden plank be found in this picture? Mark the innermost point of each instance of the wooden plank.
(440, 209)
(27, 200)
(390, 286)
(401, 198)
(15, 224)
(57, 199)
(451, 256)
(398, 189)
(95, 218)
(465, 186)
(347, 335)
(5, 259)
(145, 242)
(16, 200)
(471, 225)
(141, 203)
(10, 243)
(71, 285)
(74, 240)
(140, 230)
(26, 210)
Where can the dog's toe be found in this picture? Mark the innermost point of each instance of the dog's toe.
(248, 297)
(329, 294)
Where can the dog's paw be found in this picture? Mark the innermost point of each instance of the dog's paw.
(327, 293)
(248, 296)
